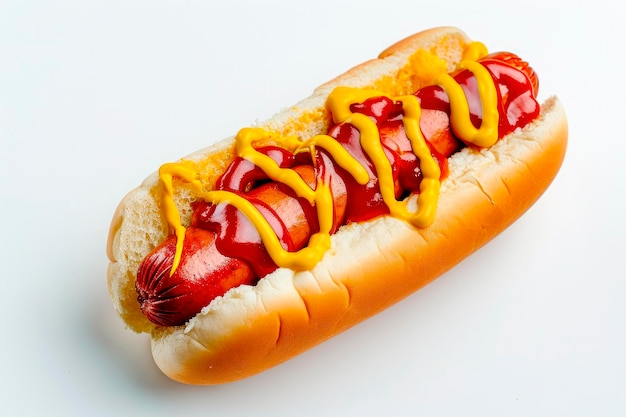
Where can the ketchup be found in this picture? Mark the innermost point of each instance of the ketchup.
(238, 238)
(293, 219)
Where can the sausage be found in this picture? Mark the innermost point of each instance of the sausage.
(221, 249)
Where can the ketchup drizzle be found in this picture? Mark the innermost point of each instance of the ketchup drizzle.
(294, 219)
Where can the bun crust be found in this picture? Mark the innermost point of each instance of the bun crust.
(252, 328)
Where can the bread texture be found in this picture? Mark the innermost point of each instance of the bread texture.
(370, 265)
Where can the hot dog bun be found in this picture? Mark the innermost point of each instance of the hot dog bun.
(253, 328)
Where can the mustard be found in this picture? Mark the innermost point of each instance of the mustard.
(339, 102)
(487, 134)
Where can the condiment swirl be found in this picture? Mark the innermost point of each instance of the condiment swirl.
(339, 102)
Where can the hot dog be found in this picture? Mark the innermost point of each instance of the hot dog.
(243, 255)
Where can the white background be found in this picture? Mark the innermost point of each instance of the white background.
(94, 96)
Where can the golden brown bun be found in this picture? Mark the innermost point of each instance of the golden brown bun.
(251, 329)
